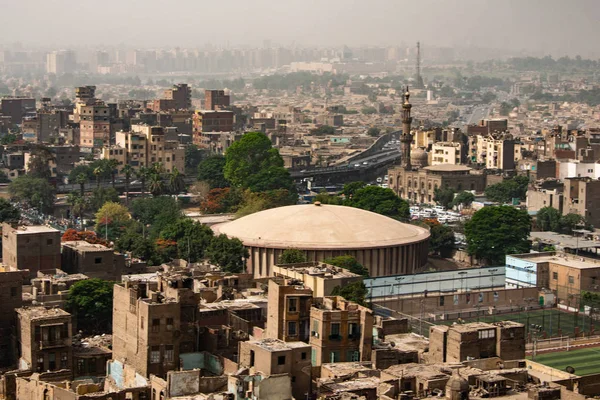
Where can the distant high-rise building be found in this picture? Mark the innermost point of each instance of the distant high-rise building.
(61, 62)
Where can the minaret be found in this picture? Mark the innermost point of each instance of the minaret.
(418, 78)
(406, 138)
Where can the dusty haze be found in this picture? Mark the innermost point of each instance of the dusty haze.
(538, 26)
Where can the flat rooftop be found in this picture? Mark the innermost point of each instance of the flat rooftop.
(569, 241)
(318, 268)
(82, 245)
(37, 313)
(570, 261)
(28, 230)
(278, 345)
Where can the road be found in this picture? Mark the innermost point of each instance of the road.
(479, 113)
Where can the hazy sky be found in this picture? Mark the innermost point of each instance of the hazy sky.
(548, 26)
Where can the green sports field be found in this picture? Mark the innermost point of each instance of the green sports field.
(585, 361)
(553, 322)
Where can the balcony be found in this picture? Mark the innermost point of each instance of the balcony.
(49, 344)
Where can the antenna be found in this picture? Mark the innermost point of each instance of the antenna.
(418, 78)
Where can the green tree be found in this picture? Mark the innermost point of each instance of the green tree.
(112, 165)
(326, 198)
(463, 199)
(91, 301)
(352, 187)
(156, 184)
(496, 231)
(272, 178)
(253, 154)
(323, 130)
(102, 195)
(8, 139)
(192, 238)
(8, 212)
(350, 263)
(37, 192)
(193, 157)
(113, 214)
(156, 212)
(128, 171)
(98, 172)
(569, 222)
(548, 219)
(373, 131)
(229, 254)
(176, 181)
(488, 97)
(444, 197)
(143, 173)
(39, 162)
(211, 170)
(508, 189)
(380, 200)
(292, 256)
(355, 292)
(505, 108)
(81, 179)
(442, 239)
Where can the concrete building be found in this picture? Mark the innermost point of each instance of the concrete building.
(473, 341)
(288, 314)
(94, 124)
(44, 338)
(181, 95)
(496, 151)
(145, 147)
(582, 196)
(93, 260)
(11, 298)
(275, 357)
(61, 62)
(341, 331)
(488, 126)
(216, 100)
(211, 121)
(321, 278)
(32, 248)
(383, 245)
(446, 153)
(16, 108)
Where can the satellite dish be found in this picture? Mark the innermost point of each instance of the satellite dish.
(570, 369)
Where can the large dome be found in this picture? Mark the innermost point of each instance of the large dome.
(383, 245)
(321, 227)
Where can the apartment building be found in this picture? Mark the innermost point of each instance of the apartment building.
(146, 146)
(288, 313)
(32, 248)
(216, 99)
(181, 95)
(211, 121)
(582, 196)
(446, 153)
(44, 338)
(341, 331)
(93, 260)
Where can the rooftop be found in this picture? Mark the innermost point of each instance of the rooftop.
(570, 261)
(278, 345)
(82, 245)
(447, 168)
(321, 227)
(39, 312)
(318, 268)
(26, 230)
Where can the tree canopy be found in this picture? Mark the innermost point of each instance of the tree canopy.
(211, 170)
(373, 131)
(91, 303)
(496, 231)
(444, 197)
(8, 212)
(229, 254)
(505, 191)
(463, 199)
(548, 219)
(350, 263)
(380, 200)
(442, 238)
(355, 291)
(37, 192)
(292, 256)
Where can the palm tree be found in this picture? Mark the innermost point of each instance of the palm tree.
(81, 180)
(142, 174)
(98, 171)
(176, 181)
(113, 164)
(72, 199)
(78, 206)
(157, 168)
(127, 170)
(156, 185)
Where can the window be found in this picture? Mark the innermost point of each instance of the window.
(335, 356)
(142, 322)
(98, 260)
(315, 327)
(571, 279)
(313, 356)
(487, 334)
(292, 328)
(352, 355)
(441, 300)
(169, 324)
(169, 353)
(155, 354)
(13, 291)
(292, 305)
(335, 330)
(303, 355)
(281, 360)
(64, 358)
(40, 363)
(49, 241)
(155, 325)
(353, 330)
(555, 275)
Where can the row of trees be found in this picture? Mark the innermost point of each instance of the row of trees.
(550, 219)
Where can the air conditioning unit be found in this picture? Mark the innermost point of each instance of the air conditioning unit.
(315, 334)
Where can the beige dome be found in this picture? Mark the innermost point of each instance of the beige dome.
(313, 227)
(419, 158)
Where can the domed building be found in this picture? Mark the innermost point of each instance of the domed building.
(383, 245)
(420, 158)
